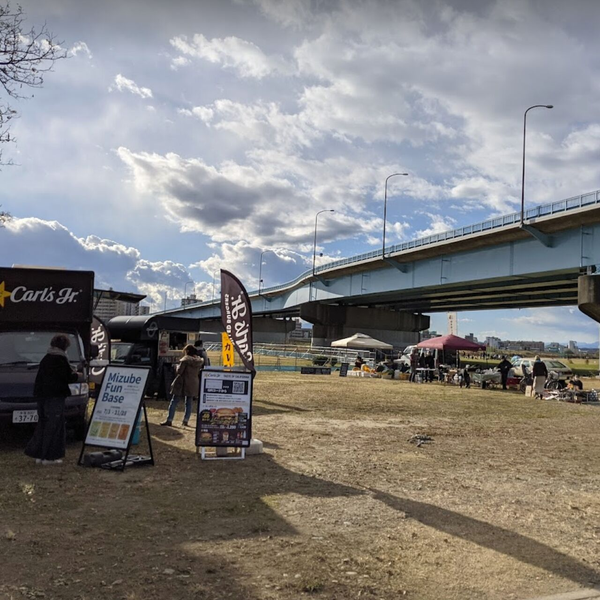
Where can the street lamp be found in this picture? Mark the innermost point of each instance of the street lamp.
(315, 240)
(523, 176)
(185, 288)
(385, 208)
(260, 269)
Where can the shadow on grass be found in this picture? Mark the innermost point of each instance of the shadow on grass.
(265, 407)
(510, 543)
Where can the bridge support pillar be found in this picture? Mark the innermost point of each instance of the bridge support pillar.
(588, 296)
(332, 322)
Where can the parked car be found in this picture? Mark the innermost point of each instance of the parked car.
(558, 367)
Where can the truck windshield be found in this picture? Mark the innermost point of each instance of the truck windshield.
(119, 351)
(23, 348)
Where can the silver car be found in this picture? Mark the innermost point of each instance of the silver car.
(558, 367)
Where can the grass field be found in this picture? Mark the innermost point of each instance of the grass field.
(502, 503)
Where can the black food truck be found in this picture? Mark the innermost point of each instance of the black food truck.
(35, 305)
(155, 341)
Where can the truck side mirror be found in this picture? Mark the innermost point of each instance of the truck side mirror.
(94, 351)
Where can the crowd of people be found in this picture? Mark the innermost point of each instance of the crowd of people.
(423, 366)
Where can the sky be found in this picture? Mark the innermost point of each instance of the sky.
(180, 138)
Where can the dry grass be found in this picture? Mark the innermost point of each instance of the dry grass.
(503, 503)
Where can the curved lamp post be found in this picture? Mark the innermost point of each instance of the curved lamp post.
(523, 175)
(185, 288)
(315, 240)
(260, 269)
(385, 208)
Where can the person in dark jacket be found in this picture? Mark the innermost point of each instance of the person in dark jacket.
(430, 364)
(539, 372)
(201, 351)
(504, 367)
(51, 388)
(185, 385)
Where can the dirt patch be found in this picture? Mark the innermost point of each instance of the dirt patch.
(502, 503)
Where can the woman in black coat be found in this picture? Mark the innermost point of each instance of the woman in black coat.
(51, 389)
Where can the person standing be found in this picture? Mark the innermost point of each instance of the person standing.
(504, 367)
(201, 351)
(414, 363)
(430, 365)
(51, 388)
(539, 372)
(185, 384)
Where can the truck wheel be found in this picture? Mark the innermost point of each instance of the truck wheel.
(79, 429)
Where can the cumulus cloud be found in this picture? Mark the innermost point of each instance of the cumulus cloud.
(122, 84)
(438, 224)
(246, 58)
(80, 48)
(240, 203)
(116, 265)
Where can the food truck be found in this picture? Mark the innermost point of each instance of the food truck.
(35, 305)
(155, 341)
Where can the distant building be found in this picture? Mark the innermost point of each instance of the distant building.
(554, 347)
(109, 304)
(428, 334)
(526, 345)
(471, 338)
(492, 342)
(302, 333)
(573, 346)
(191, 299)
(143, 309)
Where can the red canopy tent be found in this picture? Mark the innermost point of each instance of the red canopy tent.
(450, 342)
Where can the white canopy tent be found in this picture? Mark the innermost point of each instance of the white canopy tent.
(361, 341)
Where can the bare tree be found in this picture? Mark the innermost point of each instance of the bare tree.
(26, 55)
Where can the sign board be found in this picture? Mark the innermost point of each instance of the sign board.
(227, 350)
(224, 408)
(45, 296)
(117, 407)
(315, 370)
(344, 370)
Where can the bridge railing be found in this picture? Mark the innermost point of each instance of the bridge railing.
(497, 222)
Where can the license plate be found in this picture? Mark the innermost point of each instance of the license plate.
(25, 416)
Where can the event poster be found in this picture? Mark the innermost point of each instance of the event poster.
(117, 406)
(224, 408)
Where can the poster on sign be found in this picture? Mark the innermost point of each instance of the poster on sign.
(224, 409)
(117, 406)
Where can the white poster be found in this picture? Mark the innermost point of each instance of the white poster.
(224, 408)
(117, 406)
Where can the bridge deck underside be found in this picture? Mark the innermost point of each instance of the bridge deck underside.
(557, 289)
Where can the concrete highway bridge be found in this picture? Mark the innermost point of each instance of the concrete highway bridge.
(549, 260)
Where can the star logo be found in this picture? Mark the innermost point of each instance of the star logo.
(3, 294)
